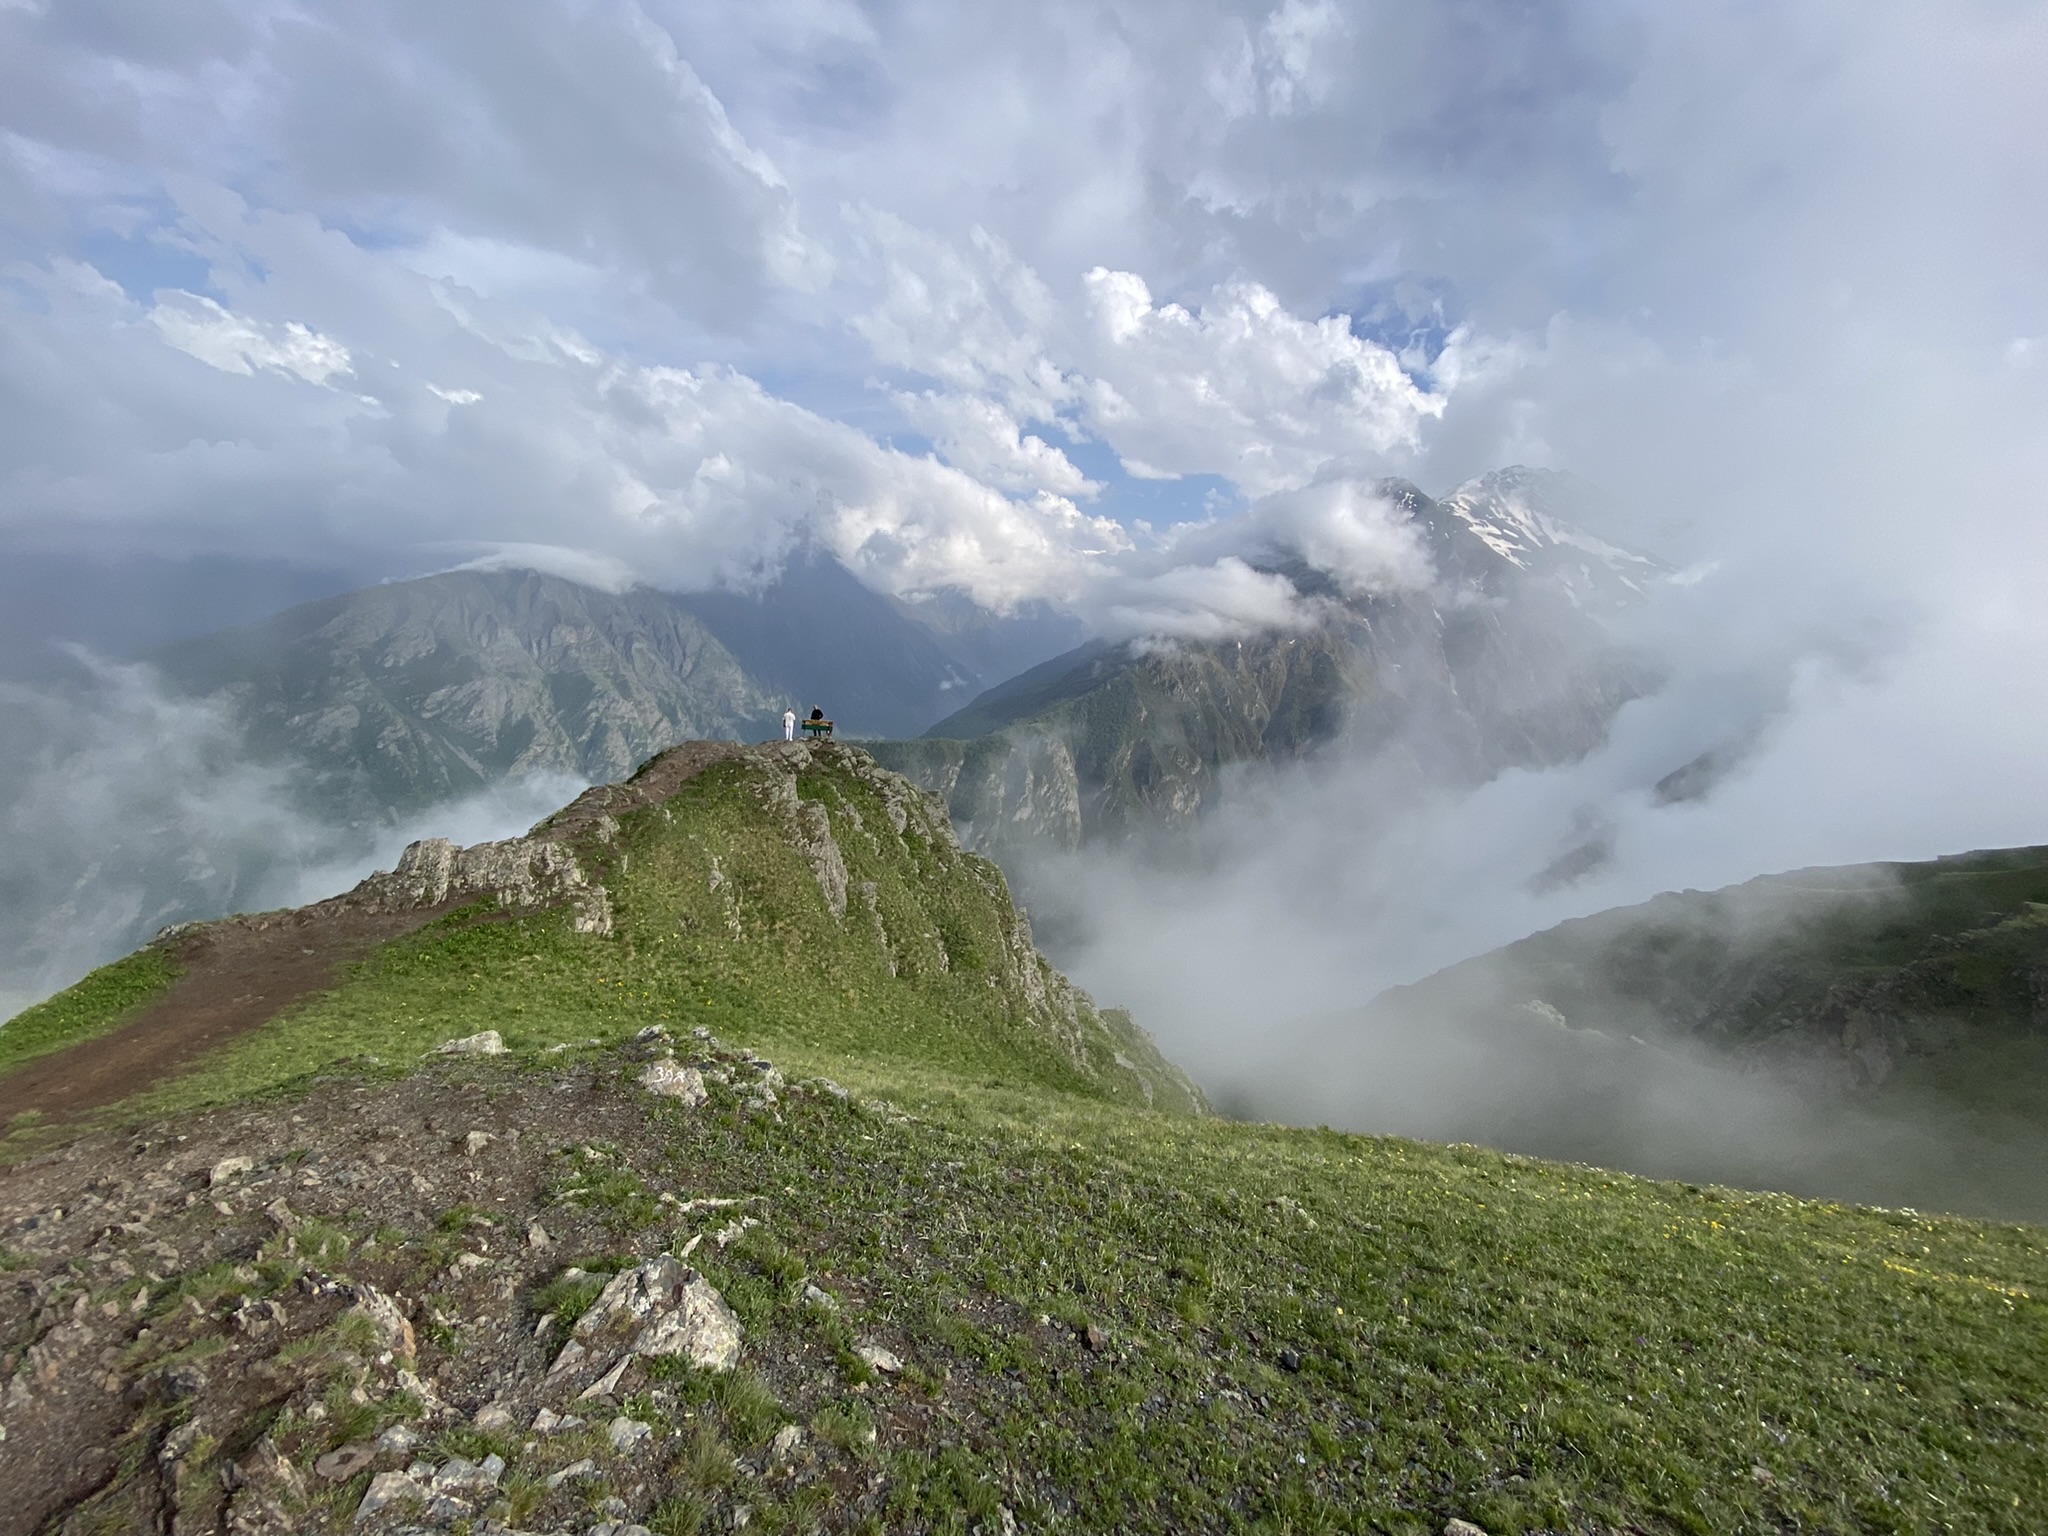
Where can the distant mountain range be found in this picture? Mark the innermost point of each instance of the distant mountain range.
(403, 695)
(1509, 659)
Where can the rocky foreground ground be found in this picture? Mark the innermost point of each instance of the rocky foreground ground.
(451, 1301)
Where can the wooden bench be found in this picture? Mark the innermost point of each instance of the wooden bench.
(816, 727)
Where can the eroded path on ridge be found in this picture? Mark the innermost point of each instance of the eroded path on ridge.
(242, 972)
(238, 974)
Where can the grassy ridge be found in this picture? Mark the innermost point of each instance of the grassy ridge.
(1528, 1345)
(721, 924)
(94, 1005)
(1299, 1331)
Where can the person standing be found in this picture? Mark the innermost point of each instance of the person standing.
(789, 725)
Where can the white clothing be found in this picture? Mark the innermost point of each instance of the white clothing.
(789, 725)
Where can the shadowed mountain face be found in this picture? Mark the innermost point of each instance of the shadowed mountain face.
(877, 665)
(1507, 660)
(1874, 1032)
(407, 694)
(403, 695)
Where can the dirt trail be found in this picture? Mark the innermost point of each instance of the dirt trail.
(238, 974)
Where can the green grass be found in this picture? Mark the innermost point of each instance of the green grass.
(814, 991)
(99, 1004)
(1528, 1345)
(1304, 1331)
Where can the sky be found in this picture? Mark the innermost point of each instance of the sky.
(1044, 302)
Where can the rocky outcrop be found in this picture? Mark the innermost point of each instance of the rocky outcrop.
(520, 873)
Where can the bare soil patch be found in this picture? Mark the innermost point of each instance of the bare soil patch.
(239, 974)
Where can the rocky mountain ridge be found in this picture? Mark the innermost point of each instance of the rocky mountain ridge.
(1508, 660)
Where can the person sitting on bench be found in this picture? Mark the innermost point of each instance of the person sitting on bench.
(817, 725)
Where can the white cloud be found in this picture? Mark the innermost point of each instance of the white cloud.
(980, 436)
(1222, 600)
(233, 343)
(1349, 531)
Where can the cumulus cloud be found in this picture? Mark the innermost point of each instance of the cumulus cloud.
(1242, 388)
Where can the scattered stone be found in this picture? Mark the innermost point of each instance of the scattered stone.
(493, 1416)
(626, 1433)
(880, 1359)
(667, 1080)
(1462, 1528)
(537, 1235)
(487, 1043)
(584, 1468)
(651, 1032)
(1006, 1523)
(387, 1489)
(339, 1466)
(786, 1440)
(398, 1440)
(459, 1475)
(1290, 1360)
(826, 1085)
(394, 1329)
(617, 1528)
(476, 1141)
(608, 1383)
(1762, 1476)
(817, 1296)
(1095, 1337)
(683, 1315)
(227, 1168)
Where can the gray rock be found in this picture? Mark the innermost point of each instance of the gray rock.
(387, 1489)
(228, 1168)
(398, 1440)
(608, 1383)
(487, 1043)
(459, 1475)
(1462, 1528)
(817, 1296)
(785, 1443)
(626, 1433)
(667, 1080)
(493, 1416)
(678, 1312)
(584, 1468)
(476, 1141)
(879, 1358)
(339, 1466)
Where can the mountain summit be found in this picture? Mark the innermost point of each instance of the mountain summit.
(1508, 658)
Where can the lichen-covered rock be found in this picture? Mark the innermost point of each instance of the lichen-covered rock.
(669, 1309)
(670, 1080)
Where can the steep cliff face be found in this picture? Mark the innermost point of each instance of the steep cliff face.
(1506, 660)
